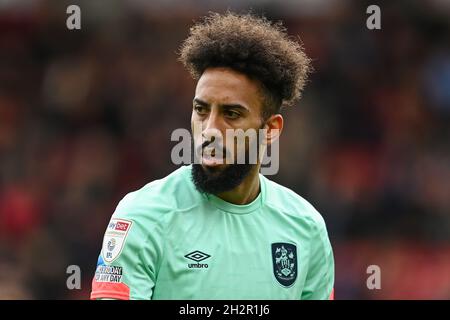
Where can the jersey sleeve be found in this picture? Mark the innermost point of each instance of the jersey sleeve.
(320, 277)
(131, 252)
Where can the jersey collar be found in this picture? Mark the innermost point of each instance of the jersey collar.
(240, 209)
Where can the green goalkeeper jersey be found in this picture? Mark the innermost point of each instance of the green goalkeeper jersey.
(169, 241)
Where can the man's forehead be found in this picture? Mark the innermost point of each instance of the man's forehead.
(225, 86)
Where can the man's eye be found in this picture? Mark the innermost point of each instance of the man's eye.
(200, 110)
(232, 114)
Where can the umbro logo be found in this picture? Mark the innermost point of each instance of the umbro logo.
(197, 256)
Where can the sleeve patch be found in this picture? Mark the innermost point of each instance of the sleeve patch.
(114, 239)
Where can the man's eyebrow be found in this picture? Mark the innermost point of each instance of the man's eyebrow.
(225, 105)
(234, 106)
(203, 103)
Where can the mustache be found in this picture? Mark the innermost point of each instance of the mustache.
(206, 143)
(200, 149)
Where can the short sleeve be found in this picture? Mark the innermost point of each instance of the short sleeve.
(131, 253)
(320, 276)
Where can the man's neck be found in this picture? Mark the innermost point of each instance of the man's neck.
(246, 192)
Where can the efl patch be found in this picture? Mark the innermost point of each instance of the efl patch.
(114, 239)
(284, 259)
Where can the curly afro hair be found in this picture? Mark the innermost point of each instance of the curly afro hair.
(254, 46)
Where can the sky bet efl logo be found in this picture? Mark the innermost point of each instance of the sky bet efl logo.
(114, 239)
(119, 226)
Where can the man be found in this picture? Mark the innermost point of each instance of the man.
(214, 229)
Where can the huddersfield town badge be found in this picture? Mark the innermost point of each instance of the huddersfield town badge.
(284, 258)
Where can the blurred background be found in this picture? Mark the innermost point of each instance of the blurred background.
(86, 117)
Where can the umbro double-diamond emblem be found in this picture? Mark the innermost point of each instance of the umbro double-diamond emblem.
(197, 256)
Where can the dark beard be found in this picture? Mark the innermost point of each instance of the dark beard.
(214, 181)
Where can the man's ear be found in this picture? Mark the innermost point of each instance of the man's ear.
(274, 126)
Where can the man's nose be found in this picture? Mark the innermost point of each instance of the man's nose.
(212, 127)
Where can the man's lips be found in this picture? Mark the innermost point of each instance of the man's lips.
(209, 158)
(211, 162)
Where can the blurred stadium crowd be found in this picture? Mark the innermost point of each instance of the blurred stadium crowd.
(86, 116)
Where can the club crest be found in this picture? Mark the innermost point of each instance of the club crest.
(284, 258)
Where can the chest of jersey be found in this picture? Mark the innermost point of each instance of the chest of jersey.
(212, 254)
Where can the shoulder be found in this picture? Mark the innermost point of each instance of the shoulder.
(159, 197)
(288, 202)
